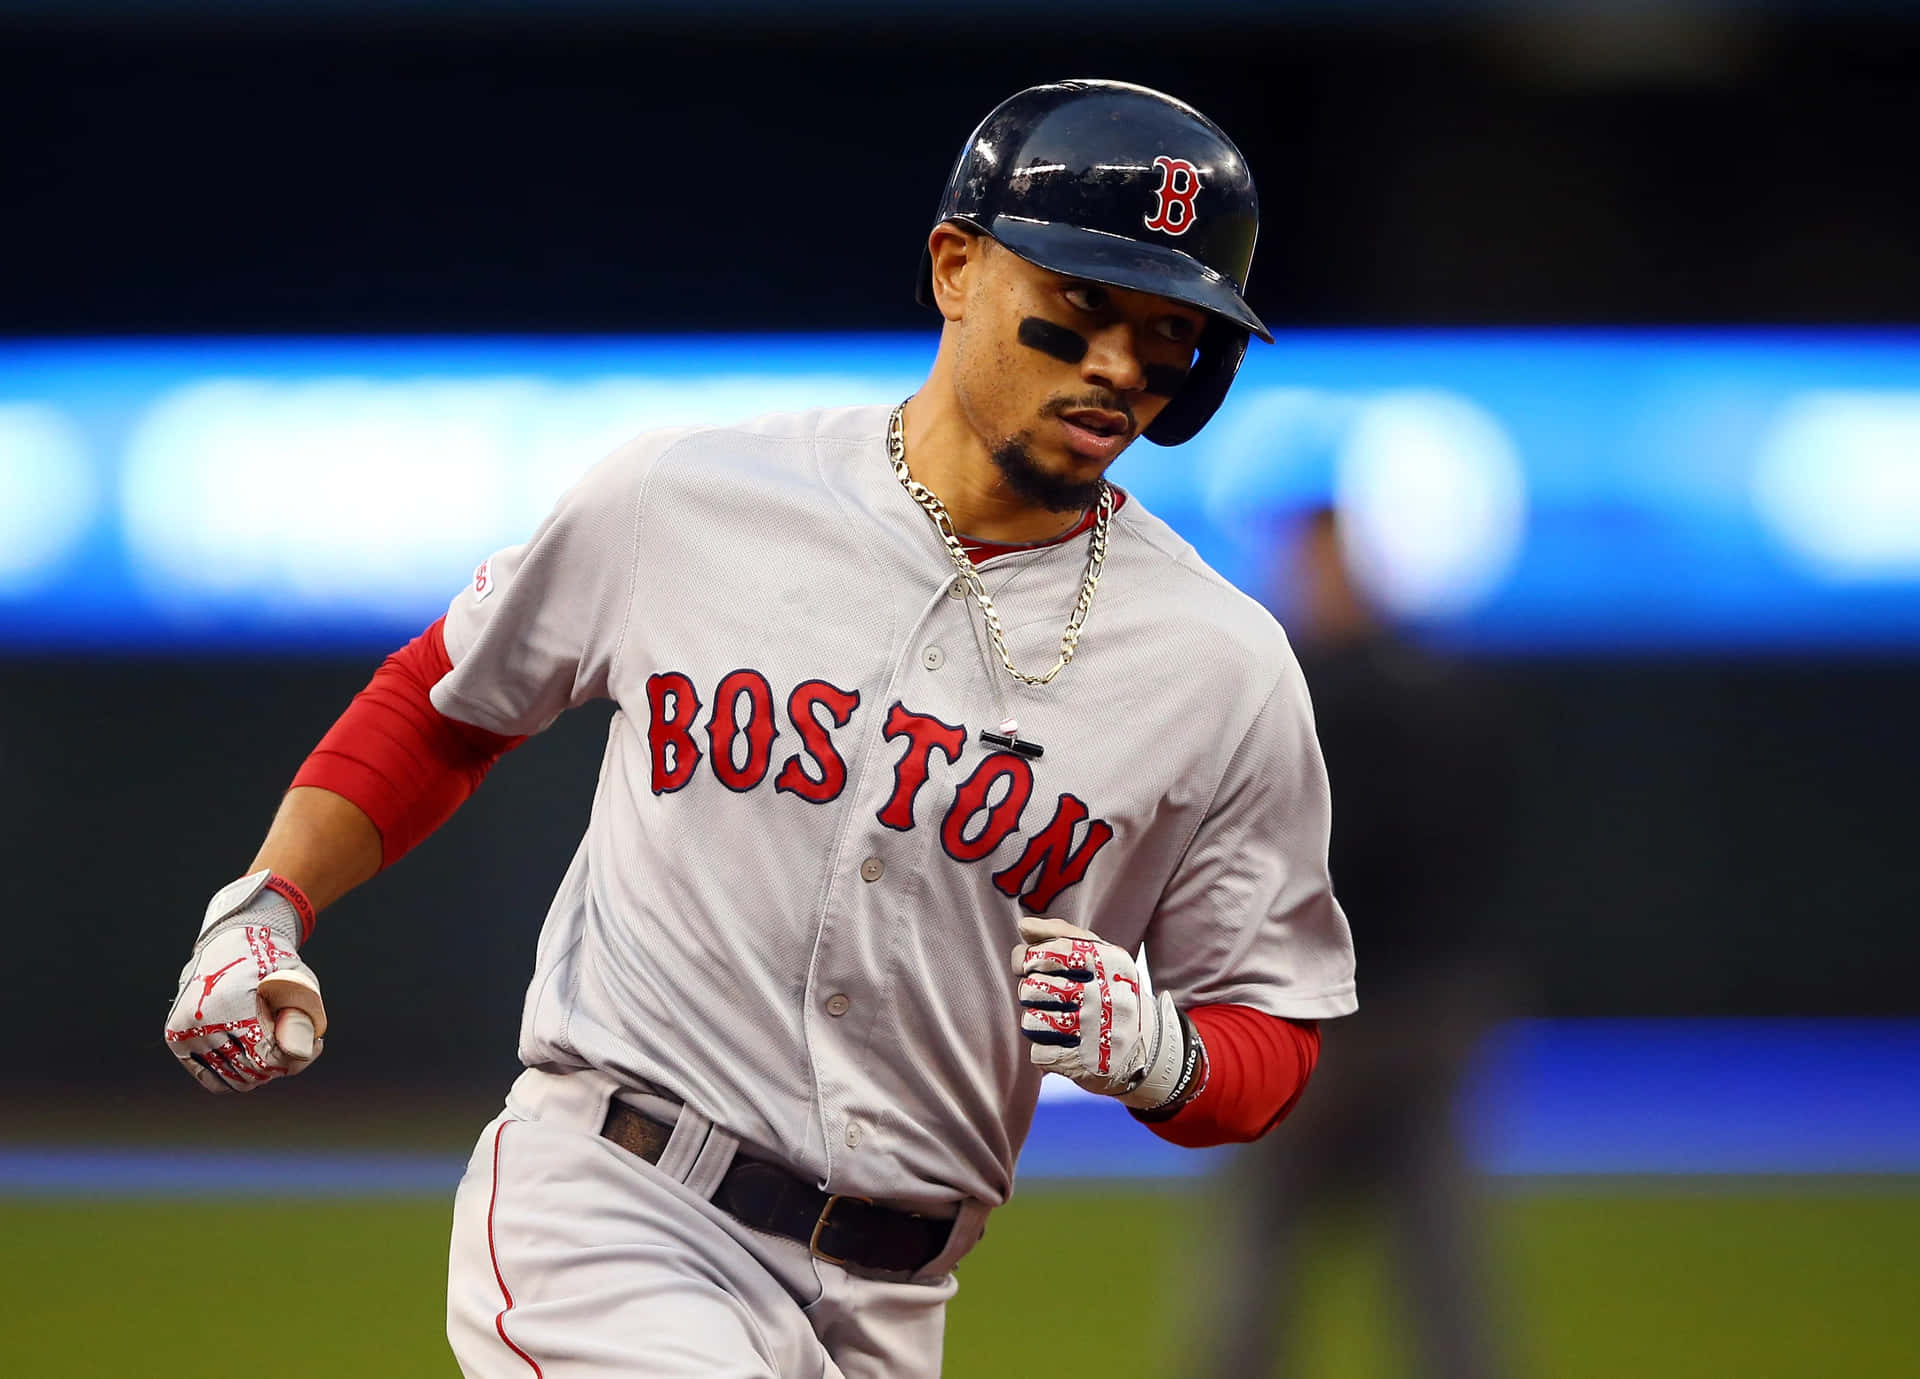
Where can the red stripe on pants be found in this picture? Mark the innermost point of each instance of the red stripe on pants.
(500, 1321)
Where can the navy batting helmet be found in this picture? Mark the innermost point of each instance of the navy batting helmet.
(1122, 185)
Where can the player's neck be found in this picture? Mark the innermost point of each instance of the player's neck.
(945, 454)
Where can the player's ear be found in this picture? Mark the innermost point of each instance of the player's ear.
(956, 256)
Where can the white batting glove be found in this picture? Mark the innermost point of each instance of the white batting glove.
(1081, 1006)
(248, 1009)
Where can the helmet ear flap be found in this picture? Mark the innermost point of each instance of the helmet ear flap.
(1222, 347)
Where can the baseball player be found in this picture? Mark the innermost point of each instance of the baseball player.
(901, 691)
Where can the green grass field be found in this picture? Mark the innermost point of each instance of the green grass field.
(1743, 1281)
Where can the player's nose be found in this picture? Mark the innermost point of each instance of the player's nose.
(1111, 360)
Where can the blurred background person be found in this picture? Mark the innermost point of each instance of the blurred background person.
(1416, 762)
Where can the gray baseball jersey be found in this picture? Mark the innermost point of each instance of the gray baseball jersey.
(793, 904)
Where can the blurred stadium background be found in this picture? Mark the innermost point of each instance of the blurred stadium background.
(1601, 335)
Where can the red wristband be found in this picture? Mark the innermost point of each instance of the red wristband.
(298, 899)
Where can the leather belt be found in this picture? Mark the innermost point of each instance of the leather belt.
(849, 1231)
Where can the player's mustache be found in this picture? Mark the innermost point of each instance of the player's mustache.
(1098, 401)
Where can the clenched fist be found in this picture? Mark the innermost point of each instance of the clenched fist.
(1081, 1007)
(248, 1009)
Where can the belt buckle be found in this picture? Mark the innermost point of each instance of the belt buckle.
(820, 1224)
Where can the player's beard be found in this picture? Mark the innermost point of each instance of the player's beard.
(1039, 486)
(1025, 477)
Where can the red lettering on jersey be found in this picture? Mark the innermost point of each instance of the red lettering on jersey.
(1052, 854)
(724, 726)
(1179, 184)
(923, 734)
(972, 796)
(669, 730)
(815, 741)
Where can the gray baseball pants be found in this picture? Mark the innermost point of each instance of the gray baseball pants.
(573, 1259)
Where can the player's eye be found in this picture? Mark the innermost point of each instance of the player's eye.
(1178, 329)
(1086, 296)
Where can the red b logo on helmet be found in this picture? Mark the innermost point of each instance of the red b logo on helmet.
(1179, 184)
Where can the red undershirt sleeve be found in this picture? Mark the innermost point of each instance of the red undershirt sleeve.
(1257, 1066)
(403, 762)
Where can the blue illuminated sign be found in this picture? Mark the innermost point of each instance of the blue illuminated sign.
(1506, 490)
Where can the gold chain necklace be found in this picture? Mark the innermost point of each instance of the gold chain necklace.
(963, 563)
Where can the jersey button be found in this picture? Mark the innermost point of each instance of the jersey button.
(854, 1132)
(957, 589)
(872, 869)
(933, 658)
(837, 1005)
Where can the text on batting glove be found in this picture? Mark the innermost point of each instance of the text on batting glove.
(1081, 1008)
(248, 1009)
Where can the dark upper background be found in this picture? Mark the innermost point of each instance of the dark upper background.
(1717, 837)
(588, 172)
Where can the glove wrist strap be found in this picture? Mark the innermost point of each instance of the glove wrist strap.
(260, 898)
(1192, 1079)
(1167, 1065)
(296, 898)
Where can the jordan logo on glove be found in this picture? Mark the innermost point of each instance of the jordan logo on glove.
(258, 1014)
